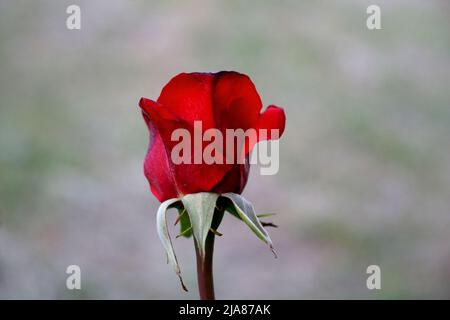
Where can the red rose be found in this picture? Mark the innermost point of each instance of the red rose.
(224, 100)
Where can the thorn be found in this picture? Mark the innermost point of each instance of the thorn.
(269, 224)
(179, 217)
(183, 233)
(273, 251)
(217, 233)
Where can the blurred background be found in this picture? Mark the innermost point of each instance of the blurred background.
(365, 161)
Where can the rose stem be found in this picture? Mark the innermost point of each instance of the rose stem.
(205, 263)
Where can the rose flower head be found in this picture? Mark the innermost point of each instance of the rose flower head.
(221, 101)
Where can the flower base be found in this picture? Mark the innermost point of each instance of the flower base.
(205, 211)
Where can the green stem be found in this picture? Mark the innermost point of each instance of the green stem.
(205, 262)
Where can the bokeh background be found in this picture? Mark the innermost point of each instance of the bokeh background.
(365, 161)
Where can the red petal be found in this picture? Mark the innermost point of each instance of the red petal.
(235, 179)
(188, 96)
(236, 101)
(157, 167)
(273, 118)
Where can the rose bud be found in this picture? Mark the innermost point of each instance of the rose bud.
(224, 100)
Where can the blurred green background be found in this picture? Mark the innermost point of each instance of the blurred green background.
(365, 160)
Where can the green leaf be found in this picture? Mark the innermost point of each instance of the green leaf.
(232, 209)
(163, 233)
(265, 215)
(184, 232)
(185, 224)
(244, 209)
(200, 208)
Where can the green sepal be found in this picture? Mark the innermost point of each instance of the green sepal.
(243, 209)
(163, 233)
(200, 208)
